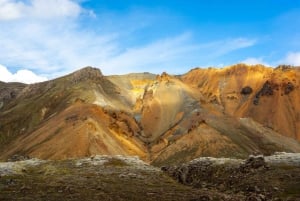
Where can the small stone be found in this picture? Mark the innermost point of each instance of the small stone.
(24, 188)
(164, 168)
(262, 197)
(256, 189)
(267, 166)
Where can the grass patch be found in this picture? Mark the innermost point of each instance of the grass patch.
(115, 162)
(292, 190)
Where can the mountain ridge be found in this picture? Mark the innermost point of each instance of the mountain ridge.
(161, 118)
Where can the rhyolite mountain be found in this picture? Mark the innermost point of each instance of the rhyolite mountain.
(229, 112)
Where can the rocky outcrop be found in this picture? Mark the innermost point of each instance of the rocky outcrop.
(267, 90)
(9, 91)
(253, 162)
(246, 90)
(257, 178)
(17, 157)
(270, 87)
(87, 73)
(288, 88)
(284, 67)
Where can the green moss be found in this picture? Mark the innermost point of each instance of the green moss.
(292, 190)
(179, 157)
(115, 162)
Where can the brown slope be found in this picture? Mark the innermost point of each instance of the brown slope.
(37, 103)
(78, 131)
(220, 135)
(274, 102)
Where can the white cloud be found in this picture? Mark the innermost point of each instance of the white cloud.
(169, 52)
(10, 10)
(254, 61)
(292, 58)
(14, 9)
(61, 47)
(5, 75)
(150, 55)
(234, 44)
(37, 41)
(55, 8)
(24, 76)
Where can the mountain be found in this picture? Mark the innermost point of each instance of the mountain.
(230, 112)
(268, 96)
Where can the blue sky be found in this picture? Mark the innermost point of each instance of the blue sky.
(43, 39)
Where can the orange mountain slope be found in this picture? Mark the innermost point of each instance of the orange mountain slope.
(268, 96)
(161, 118)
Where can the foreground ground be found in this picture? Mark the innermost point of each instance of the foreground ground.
(128, 178)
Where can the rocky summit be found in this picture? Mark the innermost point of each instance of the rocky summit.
(60, 130)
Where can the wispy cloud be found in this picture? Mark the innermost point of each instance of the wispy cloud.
(173, 52)
(50, 39)
(229, 45)
(150, 55)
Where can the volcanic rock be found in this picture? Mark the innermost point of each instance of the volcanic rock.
(246, 90)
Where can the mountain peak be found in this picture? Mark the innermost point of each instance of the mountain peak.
(86, 73)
